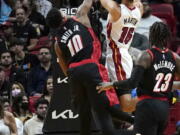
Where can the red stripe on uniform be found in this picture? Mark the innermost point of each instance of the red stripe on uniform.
(150, 53)
(158, 49)
(120, 73)
(96, 54)
(150, 97)
(111, 94)
(86, 61)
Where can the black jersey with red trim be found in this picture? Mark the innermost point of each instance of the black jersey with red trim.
(78, 42)
(158, 78)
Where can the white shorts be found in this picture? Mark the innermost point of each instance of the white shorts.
(119, 63)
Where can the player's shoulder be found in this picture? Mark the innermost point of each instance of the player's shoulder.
(144, 59)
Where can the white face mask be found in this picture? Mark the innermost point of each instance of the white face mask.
(16, 92)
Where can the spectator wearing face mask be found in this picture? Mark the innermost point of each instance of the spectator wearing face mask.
(17, 89)
(20, 107)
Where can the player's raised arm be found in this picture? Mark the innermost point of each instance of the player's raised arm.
(113, 8)
(138, 4)
(82, 13)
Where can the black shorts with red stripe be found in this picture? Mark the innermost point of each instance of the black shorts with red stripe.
(83, 78)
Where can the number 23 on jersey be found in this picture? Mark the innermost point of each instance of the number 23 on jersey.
(162, 82)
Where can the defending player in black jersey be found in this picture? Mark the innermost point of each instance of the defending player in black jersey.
(153, 76)
(79, 52)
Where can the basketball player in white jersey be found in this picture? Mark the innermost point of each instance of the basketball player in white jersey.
(122, 21)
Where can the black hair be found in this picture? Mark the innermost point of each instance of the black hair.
(159, 34)
(16, 41)
(54, 18)
(16, 104)
(1, 108)
(40, 101)
(6, 51)
(118, 1)
(45, 47)
(45, 91)
(23, 8)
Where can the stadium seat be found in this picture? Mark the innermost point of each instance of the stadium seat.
(165, 12)
(32, 101)
(178, 50)
(43, 42)
(173, 118)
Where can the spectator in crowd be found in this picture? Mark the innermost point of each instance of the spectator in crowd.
(38, 74)
(19, 124)
(6, 105)
(6, 7)
(20, 108)
(176, 6)
(4, 85)
(12, 17)
(38, 20)
(6, 63)
(23, 28)
(43, 6)
(6, 35)
(7, 122)
(146, 21)
(11, 72)
(140, 41)
(48, 89)
(34, 125)
(17, 89)
(23, 60)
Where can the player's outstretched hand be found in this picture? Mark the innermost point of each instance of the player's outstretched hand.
(104, 86)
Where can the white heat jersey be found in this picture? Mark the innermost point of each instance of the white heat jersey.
(122, 31)
(120, 34)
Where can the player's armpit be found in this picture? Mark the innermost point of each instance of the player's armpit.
(144, 60)
(62, 63)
